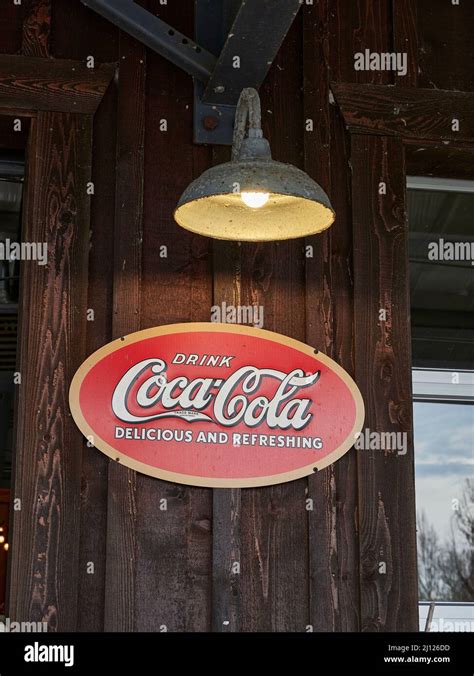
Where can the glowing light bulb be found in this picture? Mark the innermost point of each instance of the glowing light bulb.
(255, 200)
(2, 539)
(6, 546)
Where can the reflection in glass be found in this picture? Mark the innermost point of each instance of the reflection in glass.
(444, 461)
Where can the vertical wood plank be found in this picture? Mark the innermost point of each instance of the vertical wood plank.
(274, 523)
(226, 506)
(128, 234)
(78, 32)
(11, 27)
(93, 533)
(445, 45)
(323, 601)
(226, 553)
(36, 28)
(174, 567)
(383, 373)
(44, 564)
(226, 503)
(354, 27)
(333, 544)
(345, 495)
(405, 38)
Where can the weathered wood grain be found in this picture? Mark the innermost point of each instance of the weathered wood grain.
(346, 574)
(174, 545)
(226, 503)
(274, 523)
(446, 47)
(11, 18)
(354, 27)
(440, 159)
(52, 85)
(341, 512)
(44, 565)
(173, 568)
(226, 555)
(323, 601)
(408, 112)
(388, 572)
(333, 546)
(128, 234)
(405, 39)
(78, 32)
(73, 35)
(94, 484)
(36, 27)
(226, 507)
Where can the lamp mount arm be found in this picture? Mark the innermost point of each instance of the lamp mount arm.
(249, 114)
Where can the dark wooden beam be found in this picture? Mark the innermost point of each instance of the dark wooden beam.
(94, 488)
(386, 511)
(319, 309)
(274, 543)
(11, 26)
(438, 159)
(29, 83)
(406, 112)
(354, 26)
(48, 448)
(173, 575)
(445, 44)
(405, 39)
(333, 543)
(121, 514)
(226, 549)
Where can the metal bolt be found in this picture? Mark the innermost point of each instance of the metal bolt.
(210, 122)
(220, 89)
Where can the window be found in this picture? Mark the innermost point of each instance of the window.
(11, 190)
(441, 222)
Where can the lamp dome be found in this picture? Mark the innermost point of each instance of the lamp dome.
(253, 198)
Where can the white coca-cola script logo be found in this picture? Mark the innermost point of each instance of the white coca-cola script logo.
(185, 398)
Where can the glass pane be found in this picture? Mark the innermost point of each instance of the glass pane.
(441, 277)
(440, 217)
(11, 193)
(10, 214)
(444, 463)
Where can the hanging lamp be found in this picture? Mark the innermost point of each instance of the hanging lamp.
(253, 198)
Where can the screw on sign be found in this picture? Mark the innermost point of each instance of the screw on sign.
(216, 405)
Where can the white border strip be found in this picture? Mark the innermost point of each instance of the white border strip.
(440, 184)
(443, 385)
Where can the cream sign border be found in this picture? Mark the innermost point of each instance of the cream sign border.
(212, 482)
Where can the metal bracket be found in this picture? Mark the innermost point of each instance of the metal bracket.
(246, 33)
(157, 35)
(256, 35)
(213, 123)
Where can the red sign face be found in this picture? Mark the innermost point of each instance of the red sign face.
(216, 405)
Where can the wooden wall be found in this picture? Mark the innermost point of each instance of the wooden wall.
(299, 569)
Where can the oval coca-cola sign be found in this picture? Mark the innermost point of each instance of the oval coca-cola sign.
(216, 405)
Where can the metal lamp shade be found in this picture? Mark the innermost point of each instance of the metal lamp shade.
(212, 205)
